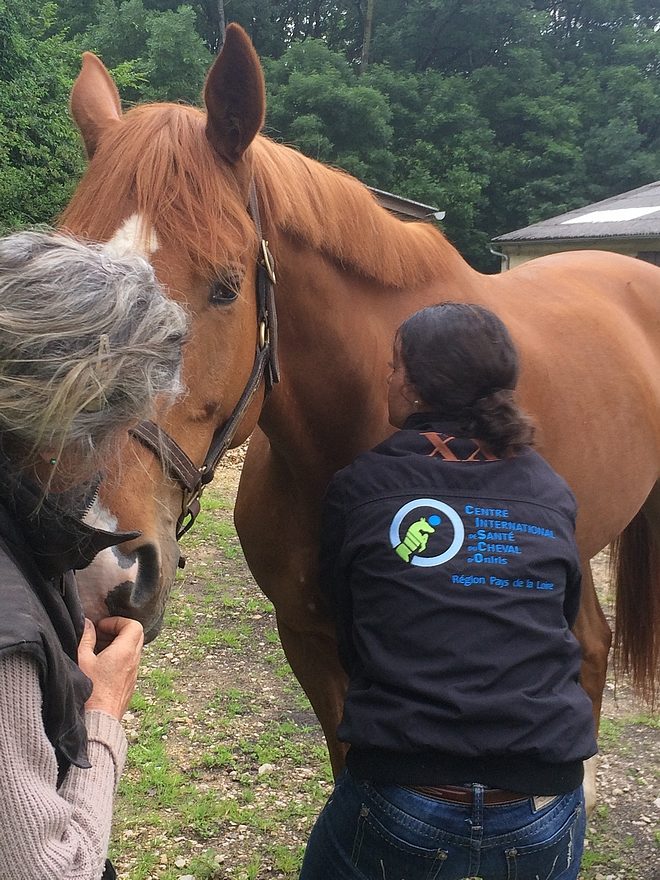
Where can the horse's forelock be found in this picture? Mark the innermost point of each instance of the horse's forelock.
(157, 162)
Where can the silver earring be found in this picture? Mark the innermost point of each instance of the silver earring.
(416, 402)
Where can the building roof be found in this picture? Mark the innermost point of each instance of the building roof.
(634, 214)
(405, 207)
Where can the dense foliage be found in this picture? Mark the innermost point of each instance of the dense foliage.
(39, 156)
(500, 112)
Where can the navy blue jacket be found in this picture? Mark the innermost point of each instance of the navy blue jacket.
(454, 585)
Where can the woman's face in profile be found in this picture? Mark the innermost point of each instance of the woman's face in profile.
(68, 470)
(400, 394)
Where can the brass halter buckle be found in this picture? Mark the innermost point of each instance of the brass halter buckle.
(267, 260)
(263, 335)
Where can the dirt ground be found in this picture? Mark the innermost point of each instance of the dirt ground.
(228, 768)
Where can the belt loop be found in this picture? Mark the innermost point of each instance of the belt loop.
(476, 827)
(477, 805)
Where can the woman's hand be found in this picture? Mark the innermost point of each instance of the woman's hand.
(114, 669)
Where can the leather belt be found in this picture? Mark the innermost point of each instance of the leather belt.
(459, 795)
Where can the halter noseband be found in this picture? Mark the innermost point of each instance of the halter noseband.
(176, 463)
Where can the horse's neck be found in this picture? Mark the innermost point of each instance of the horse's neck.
(348, 274)
(336, 330)
(332, 214)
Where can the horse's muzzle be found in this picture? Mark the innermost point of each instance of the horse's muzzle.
(143, 599)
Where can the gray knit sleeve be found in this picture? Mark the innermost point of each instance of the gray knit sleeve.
(45, 832)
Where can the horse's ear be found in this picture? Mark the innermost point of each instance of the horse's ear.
(94, 101)
(235, 96)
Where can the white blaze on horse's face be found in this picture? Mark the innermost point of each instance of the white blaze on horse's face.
(134, 236)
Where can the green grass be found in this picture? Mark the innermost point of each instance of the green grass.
(645, 719)
(192, 780)
(603, 855)
(609, 734)
(210, 527)
(218, 756)
(287, 860)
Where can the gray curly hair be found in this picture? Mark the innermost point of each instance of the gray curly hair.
(88, 342)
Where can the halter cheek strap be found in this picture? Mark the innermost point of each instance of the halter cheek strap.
(176, 463)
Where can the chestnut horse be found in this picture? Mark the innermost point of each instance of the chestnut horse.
(173, 182)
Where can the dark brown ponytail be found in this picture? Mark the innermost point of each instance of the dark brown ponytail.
(462, 361)
(498, 421)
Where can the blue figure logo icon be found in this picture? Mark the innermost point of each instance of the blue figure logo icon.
(416, 538)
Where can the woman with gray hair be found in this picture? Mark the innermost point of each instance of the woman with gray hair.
(89, 345)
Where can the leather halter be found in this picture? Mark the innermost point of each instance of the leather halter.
(193, 478)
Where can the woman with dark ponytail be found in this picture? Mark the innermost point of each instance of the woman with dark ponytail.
(449, 560)
(463, 365)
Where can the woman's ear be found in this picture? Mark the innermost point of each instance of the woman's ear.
(412, 395)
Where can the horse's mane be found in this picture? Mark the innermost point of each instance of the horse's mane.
(337, 215)
(157, 161)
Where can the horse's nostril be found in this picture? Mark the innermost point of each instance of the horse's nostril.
(118, 600)
(148, 576)
(139, 592)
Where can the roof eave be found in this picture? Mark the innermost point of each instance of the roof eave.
(505, 239)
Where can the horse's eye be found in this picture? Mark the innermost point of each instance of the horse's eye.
(224, 290)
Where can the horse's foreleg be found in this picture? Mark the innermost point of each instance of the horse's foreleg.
(276, 523)
(312, 655)
(595, 636)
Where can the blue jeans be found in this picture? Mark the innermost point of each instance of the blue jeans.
(384, 832)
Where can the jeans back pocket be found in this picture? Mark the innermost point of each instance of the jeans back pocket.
(378, 852)
(557, 857)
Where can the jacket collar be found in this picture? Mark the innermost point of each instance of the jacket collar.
(430, 421)
(50, 529)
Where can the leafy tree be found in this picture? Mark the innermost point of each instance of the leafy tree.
(177, 59)
(315, 94)
(442, 146)
(40, 155)
(420, 135)
(154, 55)
(455, 36)
(607, 53)
(500, 112)
(120, 32)
(76, 15)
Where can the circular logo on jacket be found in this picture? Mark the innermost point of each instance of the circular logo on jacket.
(426, 529)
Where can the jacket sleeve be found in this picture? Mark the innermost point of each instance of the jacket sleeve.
(573, 590)
(331, 577)
(47, 832)
(333, 573)
(573, 593)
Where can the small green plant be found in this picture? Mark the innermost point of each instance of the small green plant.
(609, 733)
(287, 860)
(208, 636)
(218, 756)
